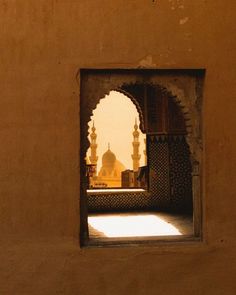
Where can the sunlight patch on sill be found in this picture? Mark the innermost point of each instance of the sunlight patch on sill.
(132, 226)
(115, 190)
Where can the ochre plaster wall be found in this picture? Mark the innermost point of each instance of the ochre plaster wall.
(43, 44)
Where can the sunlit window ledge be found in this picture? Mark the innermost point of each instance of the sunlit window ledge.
(115, 190)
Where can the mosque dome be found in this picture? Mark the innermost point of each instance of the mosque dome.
(111, 169)
(108, 158)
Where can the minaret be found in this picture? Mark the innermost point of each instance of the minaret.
(136, 157)
(93, 147)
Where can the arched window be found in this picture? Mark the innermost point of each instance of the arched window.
(166, 188)
(116, 142)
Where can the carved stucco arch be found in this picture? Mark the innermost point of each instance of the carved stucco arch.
(96, 101)
(186, 104)
(136, 104)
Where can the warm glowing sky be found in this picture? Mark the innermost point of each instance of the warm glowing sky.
(114, 120)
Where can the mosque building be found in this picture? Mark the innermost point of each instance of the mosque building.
(112, 170)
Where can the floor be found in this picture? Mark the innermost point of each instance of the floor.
(140, 224)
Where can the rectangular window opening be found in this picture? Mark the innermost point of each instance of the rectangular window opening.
(140, 156)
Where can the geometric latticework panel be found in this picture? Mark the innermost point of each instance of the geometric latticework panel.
(170, 180)
(125, 201)
(180, 174)
(158, 160)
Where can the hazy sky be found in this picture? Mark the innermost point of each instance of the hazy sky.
(114, 120)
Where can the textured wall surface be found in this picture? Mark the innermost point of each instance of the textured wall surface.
(43, 44)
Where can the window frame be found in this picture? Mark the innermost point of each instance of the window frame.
(196, 77)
